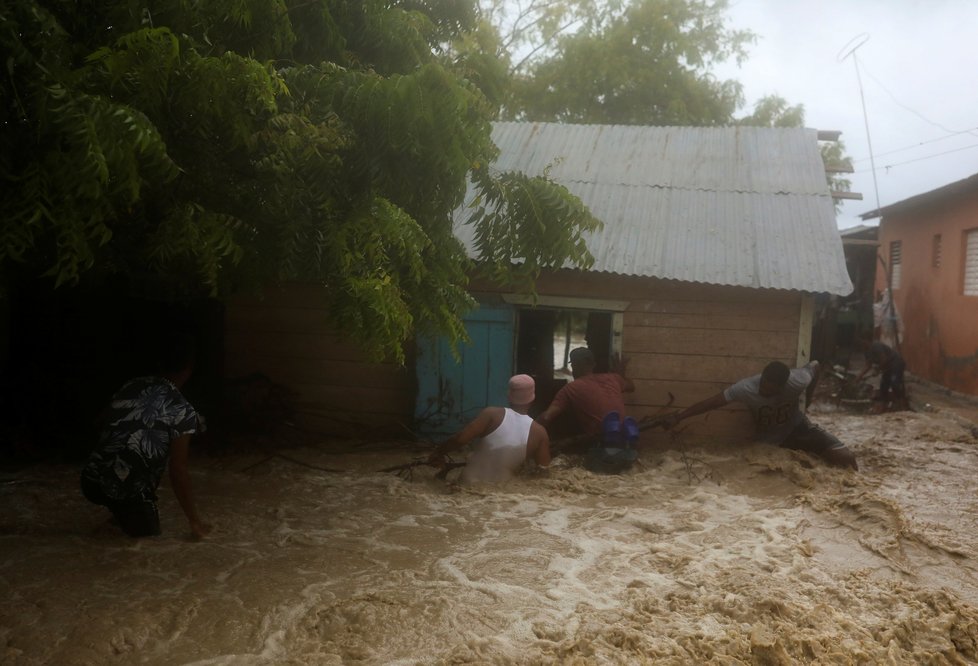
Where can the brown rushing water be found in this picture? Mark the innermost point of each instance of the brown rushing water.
(730, 555)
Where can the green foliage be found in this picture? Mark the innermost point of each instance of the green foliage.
(521, 222)
(529, 30)
(774, 111)
(647, 64)
(477, 56)
(834, 155)
(227, 145)
(417, 135)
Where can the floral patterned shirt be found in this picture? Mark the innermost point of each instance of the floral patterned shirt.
(145, 415)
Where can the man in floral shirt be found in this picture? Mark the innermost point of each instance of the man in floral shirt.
(149, 422)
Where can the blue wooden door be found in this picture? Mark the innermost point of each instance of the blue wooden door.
(451, 392)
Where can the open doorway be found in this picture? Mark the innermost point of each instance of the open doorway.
(545, 337)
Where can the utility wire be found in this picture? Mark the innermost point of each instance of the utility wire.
(918, 159)
(950, 133)
(847, 51)
(918, 144)
(913, 111)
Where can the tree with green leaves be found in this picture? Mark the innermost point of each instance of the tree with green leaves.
(640, 62)
(219, 146)
(774, 111)
(634, 62)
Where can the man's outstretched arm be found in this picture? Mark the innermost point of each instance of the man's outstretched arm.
(816, 370)
(477, 427)
(715, 402)
(557, 406)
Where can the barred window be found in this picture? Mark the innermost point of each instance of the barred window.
(896, 263)
(971, 262)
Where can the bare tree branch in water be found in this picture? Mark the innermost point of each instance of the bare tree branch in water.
(293, 461)
(679, 441)
(406, 471)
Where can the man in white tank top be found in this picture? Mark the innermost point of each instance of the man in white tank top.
(505, 438)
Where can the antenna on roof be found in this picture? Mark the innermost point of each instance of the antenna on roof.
(850, 50)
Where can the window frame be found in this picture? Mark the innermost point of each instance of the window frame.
(896, 264)
(969, 242)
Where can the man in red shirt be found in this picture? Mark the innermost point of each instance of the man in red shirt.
(590, 396)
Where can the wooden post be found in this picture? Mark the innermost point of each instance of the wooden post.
(617, 327)
(806, 316)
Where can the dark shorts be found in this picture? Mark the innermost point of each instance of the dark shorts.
(137, 517)
(809, 437)
(891, 381)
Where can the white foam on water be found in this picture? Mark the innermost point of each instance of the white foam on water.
(733, 554)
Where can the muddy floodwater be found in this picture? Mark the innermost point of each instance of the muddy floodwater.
(702, 555)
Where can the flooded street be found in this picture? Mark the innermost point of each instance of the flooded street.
(718, 555)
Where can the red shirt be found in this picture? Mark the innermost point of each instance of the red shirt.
(591, 397)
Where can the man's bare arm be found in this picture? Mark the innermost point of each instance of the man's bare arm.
(548, 415)
(477, 427)
(715, 402)
(180, 480)
(810, 389)
(539, 445)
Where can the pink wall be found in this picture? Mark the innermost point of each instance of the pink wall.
(940, 339)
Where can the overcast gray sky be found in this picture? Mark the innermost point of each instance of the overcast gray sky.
(920, 80)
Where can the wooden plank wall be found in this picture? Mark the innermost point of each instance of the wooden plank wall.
(285, 336)
(696, 341)
(692, 340)
(688, 339)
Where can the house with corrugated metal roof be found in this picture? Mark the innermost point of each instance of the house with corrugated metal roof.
(928, 251)
(714, 242)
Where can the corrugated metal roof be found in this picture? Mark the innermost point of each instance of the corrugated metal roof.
(740, 206)
(860, 231)
(939, 195)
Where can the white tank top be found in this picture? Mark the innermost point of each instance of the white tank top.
(501, 453)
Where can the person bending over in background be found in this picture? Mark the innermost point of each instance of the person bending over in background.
(772, 398)
(891, 366)
(149, 423)
(506, 437)
(590, 396)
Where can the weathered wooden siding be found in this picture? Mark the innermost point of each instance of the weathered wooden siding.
(693, 340)
(285, 336)
(687, 339)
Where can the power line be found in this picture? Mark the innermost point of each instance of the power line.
(918, 144)
(913, 111)
(918, 159)
(849, 50)
(950, 133)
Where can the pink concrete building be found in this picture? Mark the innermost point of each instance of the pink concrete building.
(929, 252)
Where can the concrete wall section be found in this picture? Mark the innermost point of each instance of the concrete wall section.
(940, 340)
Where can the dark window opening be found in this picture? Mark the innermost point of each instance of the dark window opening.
(545, 338)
